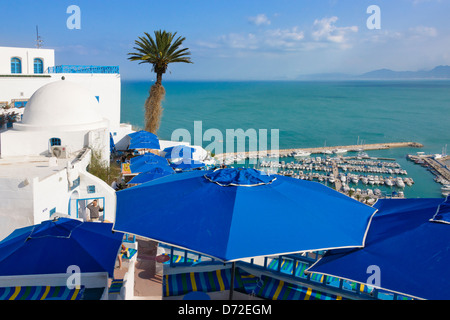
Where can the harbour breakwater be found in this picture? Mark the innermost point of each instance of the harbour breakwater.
(318, 150)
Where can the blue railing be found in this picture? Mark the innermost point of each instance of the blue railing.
(83, 69)
(328, 284)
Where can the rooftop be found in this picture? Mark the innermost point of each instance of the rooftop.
(30, 166)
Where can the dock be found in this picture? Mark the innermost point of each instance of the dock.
(337, 183)
(441, 170)
(288, 152)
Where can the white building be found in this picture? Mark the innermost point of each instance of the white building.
(24, 70)
(68, 113)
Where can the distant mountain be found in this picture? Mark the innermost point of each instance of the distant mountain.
(440, 72)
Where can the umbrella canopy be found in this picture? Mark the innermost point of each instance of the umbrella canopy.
(147, 162)
(143, 140)
(179, 152)
(149, 158)
(144, 143)
(231, 214)
(187, 164)
(142, 133)
(411, 252)
(152, 174)
(52, 246)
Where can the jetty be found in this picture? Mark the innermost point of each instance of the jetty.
(329, 149)
(438, 165)
(337, 183)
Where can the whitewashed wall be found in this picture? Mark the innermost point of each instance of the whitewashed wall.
(27, 56)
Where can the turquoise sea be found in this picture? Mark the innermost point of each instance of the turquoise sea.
(312, 114)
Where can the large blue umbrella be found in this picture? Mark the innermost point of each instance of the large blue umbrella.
(143, 140)
(142, 133)
(180, 151)
(147, 162)
(149, 158)
(144, 143)
(231, 214)
(152, 174)
(54, 245)
(408, 243)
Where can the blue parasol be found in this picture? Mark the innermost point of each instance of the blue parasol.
(142, 133)
(411, 252)
(177, 152)
(232, 214)
(152, 174)
(52, 246)
(147, 162)
(143, 140)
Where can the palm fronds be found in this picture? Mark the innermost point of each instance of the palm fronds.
(160, 51)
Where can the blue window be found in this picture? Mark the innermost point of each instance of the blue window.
(90, 189)
(38, 66)
(16, 65)
(55, 142)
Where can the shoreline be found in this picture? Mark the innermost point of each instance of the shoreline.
(287, 152)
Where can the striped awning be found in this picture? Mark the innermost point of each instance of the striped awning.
(41, 293)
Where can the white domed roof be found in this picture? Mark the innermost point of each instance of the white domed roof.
(60, 104)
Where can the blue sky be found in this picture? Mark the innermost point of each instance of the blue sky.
(240, 40)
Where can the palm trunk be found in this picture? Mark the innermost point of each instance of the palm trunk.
(153, 108)
(159, 78)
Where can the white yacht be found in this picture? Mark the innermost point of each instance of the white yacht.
(337, 151)
(362, 155)
(445, 190)
(388, 182)
(400, 183)
(301, 154)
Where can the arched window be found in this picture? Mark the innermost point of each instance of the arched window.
(55, 142)
(16, 65)
(38, 66)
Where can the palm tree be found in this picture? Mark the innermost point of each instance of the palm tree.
(158, 52)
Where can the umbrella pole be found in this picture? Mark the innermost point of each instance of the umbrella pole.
(233, 269)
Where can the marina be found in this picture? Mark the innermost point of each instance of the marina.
(363, 179)
(347, 169)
